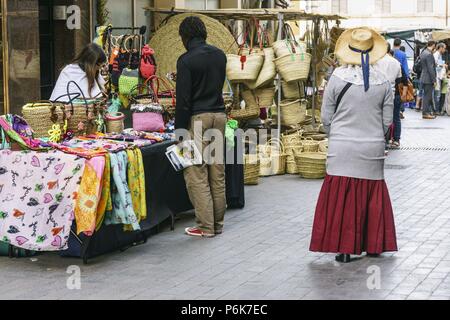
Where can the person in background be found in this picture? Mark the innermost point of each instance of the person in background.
(400, 55)
(393, 71)
(441, 70)
(354, 212)
(199, 85)
(402, 48)
(84, 71)
(428, 79)
(443, 98)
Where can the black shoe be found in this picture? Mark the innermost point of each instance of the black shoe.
(344, 258)
(373, 255)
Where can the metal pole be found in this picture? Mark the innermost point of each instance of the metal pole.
(314, 62)
(280, 27)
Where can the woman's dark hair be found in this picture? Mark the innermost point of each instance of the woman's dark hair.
(192, 27)
(90, 59)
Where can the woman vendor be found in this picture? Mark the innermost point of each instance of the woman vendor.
(85, 72)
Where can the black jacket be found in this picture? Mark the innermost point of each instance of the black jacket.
(200, 80)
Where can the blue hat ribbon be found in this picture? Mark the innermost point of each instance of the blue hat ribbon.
(364, 64)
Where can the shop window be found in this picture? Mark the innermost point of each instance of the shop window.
(128, 13)
(339, 6)
(202, 4)
(383, 6)
(424, 6)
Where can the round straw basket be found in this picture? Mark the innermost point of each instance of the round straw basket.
(267, 73)
(311, 165)
(115, 122)
(294, 67)
(272, 158)
(168, 47)
(292, 112)
(264, 97)
(323, 146)
(310, 145)
(293, 90)
(251, 109)
(282, 47)
(251, 169)
(247, 71)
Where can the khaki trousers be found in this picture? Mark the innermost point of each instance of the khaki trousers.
(206, 183)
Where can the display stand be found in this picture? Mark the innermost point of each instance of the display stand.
(280, 15)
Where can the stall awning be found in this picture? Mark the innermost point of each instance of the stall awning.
(244, 14)
(440, 35)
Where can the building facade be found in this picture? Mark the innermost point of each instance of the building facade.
(385, 14)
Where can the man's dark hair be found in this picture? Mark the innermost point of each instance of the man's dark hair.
(397, 42)
(192, 27)
(431, 43)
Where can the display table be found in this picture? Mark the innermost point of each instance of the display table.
(166, 195)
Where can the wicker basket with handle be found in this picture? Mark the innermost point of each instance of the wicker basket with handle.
(42, 115)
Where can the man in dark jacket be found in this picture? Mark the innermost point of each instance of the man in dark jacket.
(200, 107)
(428, 79)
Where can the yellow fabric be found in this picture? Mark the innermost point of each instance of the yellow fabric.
(105, 202)
(87, 200)
(136, 183)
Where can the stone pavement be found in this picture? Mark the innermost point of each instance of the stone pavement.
(263, 253)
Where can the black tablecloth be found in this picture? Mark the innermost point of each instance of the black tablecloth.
(166, 195)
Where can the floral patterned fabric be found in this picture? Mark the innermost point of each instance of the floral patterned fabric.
(37, 198)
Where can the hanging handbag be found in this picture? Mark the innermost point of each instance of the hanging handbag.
(147, 113)
(121, 61)
(147, 66)
(164, 91)
(128, 80)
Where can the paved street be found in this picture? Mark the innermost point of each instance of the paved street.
(263, 253)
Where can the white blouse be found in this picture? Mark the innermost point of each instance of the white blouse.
(73, 72)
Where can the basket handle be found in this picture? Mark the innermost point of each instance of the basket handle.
(82, 94)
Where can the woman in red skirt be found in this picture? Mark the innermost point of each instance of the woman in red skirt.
(354, 212)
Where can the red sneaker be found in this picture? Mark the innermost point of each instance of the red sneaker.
(196, 232)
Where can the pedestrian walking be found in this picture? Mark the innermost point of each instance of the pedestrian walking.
(354, 212)
(200, 78)
(441, 70)
(428, 80)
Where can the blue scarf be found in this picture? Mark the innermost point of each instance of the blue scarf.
(365, 65)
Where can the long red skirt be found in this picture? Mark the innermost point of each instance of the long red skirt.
(353, 216)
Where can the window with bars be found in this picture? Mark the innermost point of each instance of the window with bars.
(424, 6)
(383, 6)
(339, 6)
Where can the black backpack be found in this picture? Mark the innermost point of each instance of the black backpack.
(417, 68)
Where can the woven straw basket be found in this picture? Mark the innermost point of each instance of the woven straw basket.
(310, 145)
(168, 47)
(115, 122)
(267, 73)
(294, 67)
(293, 90)
(323, 146)
(251, 109)
(292, 112)
(247, 71)
(281, 47)
(292, 145)
(39, 116)
(251, 169)
(272, 158)
(264, 97)
(311, 165)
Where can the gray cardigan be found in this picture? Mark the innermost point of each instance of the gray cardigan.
(357, 130)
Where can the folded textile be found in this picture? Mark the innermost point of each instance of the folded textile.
(37, 194)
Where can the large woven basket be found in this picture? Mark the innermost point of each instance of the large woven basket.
(272, 158)
(282, 47)
(293, 90)
(292, 112)
(251, 169)
(264, 97)
(292, 145)
(81, 113)
(268, 71)
(294, 67)
(42, 115)
(311, 165)
(323, 146)
(168, 47)
(251, 109)
(238, 71)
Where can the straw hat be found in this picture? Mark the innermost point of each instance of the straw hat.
(363, 39)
